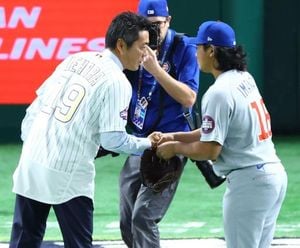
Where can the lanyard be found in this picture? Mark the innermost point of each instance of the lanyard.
(167, 44)
(140, 86)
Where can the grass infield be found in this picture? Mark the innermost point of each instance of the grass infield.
(196, 211)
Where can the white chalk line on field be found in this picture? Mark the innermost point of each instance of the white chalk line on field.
(113, 227)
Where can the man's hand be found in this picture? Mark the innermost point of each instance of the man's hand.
(150, 62)
(165, 137)
(166, 150)
(159, 137)
(154, 138)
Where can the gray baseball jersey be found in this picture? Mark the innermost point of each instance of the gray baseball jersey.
(234, 115)
(87, 94)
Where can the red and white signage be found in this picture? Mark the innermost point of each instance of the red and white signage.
(36, 35)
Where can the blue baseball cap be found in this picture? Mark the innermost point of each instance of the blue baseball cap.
(149, 8)
(215, 33)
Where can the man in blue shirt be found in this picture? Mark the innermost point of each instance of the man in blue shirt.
(164, 88)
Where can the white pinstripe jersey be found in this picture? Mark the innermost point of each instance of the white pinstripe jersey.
(235, 116)
(87, 94)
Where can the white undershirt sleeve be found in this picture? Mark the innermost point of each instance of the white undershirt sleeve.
(122, 142)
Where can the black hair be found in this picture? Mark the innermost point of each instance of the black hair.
(125, 26)
(230, 58)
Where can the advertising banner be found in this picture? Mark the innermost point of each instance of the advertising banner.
(35, 35)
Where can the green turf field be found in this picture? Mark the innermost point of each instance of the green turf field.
(195, 212)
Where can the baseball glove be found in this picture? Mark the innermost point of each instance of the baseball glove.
(207, 171)
(157, 173)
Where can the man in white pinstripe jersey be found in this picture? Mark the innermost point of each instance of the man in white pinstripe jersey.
(81, 106)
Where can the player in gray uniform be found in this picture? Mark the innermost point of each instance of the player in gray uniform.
(82, 105)
(236, 134)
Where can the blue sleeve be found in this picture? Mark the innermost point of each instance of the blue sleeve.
(186, 64)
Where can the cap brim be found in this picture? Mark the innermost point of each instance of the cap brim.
(193, 40)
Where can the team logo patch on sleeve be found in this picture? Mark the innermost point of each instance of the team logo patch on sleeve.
(124, 113)
(166, 66)
(208, 124)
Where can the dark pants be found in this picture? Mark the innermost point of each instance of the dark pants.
(140, 208)
(75, 218)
